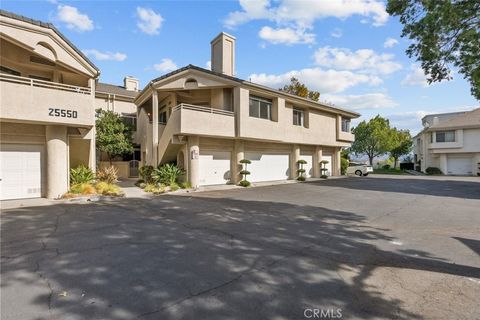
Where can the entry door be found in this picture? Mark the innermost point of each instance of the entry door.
(267, 167)
(459, 165)
(328, 157)
(21, 171)
(214, 167)
(308, 166)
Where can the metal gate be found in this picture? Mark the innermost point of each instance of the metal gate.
(133, 168)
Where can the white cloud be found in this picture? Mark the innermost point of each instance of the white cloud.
(304, 13)
(324, 81)
(73, 18)
(106, 55)
(287, 36)
(149, 22)
(416, 77)
(165, 65)
(361, 101)
(364, 60)
(390, 42)
(336, 33)
(208, 65)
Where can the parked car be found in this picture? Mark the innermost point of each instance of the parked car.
(359, 169)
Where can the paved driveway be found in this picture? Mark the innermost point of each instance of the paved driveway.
(366, 248)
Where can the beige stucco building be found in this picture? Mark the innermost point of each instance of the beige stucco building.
(449, 142)
(207, 121)
(47, 115)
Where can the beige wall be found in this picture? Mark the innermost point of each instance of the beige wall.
(122, 166)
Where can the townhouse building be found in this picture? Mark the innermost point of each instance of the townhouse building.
(207, 121)
(449, 142)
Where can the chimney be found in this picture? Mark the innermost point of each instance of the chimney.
(131, 83)
(436, 120)
(223, 54)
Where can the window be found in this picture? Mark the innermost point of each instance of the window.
(298, 117)
(130, 120)
(32, 76)
(260, 108)
(445, 136)
(345, 125)
(9, 71)
(162, 117)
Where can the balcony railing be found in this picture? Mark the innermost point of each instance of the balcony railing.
(43, 84)
(203, 109)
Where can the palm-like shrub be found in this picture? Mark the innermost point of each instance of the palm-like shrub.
(108, 175)
(145, 173)
(108, 189)
(81, 174)
(167, 174)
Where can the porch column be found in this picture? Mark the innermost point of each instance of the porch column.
(317, 157)
(236, 166)
(443, 163)
(57, 161)
(155, 127)
(193, 160)
(294, 157)
(336, 162)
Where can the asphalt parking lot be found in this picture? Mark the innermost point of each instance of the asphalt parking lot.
(380, 247)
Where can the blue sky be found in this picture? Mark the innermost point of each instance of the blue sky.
(353, 54)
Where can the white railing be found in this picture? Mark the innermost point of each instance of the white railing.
(43, 84)
(202, 109)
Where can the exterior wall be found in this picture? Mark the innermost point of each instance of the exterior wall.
(122, 166)
(110, 103)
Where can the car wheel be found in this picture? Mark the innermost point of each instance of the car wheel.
(366, 174)
(358, 173)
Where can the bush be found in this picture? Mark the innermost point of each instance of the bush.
(386, 167)
(343, 166)
(107, 174)
(301, 170)
(433, 170)
(244, 183)
(145, 173)
(174, 186)
(108, 189)
(167, 174)
(301, 161)
(246, 161)
(186, 185)
(83, 188)
(324, 176)
(81, 174)
(244, 172)
(301, 178)
(154, 188)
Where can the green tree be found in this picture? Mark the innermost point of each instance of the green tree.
(401, 144)
(372, 138)
(113, 136)
(444, 33)
(299, 89)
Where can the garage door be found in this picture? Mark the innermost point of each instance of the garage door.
(214, 167)
(328, 157)
(267, 167)
(308, 166)
(459, 165)
(21, 171)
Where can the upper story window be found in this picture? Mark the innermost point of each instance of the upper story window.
(162, 117)
(298, 117)
(445, 136)
(130, 120)
(260, 108)
(9, 71)
(345, 125)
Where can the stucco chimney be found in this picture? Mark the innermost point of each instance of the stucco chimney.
(131, 83)
(223, 54)
(435, 120)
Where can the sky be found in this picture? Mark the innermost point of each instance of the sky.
(350, 51)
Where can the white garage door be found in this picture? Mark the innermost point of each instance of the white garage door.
(308, 166)
(214, 167)
(328, 157)
(21, 171)
(459, 165)
(267, 167)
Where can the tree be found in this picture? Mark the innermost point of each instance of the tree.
(113, 136)
(444, 33)
(372, 138)
(401, 144)
(299, 89)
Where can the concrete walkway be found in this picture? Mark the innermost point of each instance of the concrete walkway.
(131, 190)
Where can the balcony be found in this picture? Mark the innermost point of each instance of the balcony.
(346, 136)
(198, 120)
(28, 99)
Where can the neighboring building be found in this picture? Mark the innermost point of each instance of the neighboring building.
(449, 142)
(120, 100)
(47, 108)
(207, 121)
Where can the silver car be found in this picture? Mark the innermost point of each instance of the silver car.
(359, 169)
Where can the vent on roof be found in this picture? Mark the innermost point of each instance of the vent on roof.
(39, 60)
